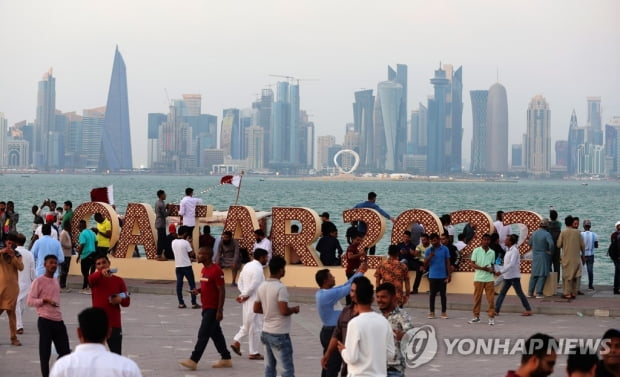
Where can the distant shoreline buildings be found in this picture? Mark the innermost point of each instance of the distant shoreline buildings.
(275, 135)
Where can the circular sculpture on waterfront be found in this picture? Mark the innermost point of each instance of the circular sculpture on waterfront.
(352, 153)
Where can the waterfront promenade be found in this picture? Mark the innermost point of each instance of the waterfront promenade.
(157, 334)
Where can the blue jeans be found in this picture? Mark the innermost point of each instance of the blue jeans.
(187, 273)
(516, 283)
(278, 349)
(394, 373)
(590, 268)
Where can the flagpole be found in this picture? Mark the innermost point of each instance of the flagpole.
(239, 187)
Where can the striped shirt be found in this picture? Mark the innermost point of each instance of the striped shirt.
(589, 238)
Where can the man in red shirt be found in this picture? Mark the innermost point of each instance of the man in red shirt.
(109, 293)
(212, 297)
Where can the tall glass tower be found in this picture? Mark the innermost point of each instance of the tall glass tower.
(479, 137)
(116, 141)
(497, 130)
(363, 124)
(45, 123)
(538, 138)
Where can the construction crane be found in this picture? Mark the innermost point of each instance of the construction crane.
(293, 78)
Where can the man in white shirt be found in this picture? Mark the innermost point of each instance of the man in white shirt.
(502, 230)
(91, 358)
(511, 273)
(182, 250)
(262, 242)
(272, 301)
(26, 277)
(370, 341)
(250, 278)
(187, 209)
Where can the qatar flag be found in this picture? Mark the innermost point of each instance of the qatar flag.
(234, 180)
(102, 194)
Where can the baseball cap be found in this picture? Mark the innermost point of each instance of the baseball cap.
(325, 214)
(172, 228)
(50, 217)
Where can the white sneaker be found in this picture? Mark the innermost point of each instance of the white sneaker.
(474, 320)
(491, 321)
(86, 291)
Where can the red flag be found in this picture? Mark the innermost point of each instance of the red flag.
(234, 180)
(227, 179)
(102, 194)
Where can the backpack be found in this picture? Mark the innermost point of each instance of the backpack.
(614, 249)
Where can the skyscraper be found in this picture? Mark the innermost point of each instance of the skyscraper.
(538, 139)
(116, 141)
(497, 130)
(419, 130)
(285, 119)
(231, 140)
(612, 147)
(255, 142)
(93, 121)
(322, 155)
(3, 137)
(400, 148)
(561, 153)
(363, 109)
(264, 107)
(595, 131)
(445, 117)
(45, 122)
(389, 94)
(576, 136)
(479, 137)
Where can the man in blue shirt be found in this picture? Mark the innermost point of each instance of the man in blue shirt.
(44, 246)
(370, 203)
(437, 262)
(329, 308)
(590, 239)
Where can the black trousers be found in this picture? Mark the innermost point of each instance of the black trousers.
(64, 271)
(161, 241)
(115, 341)
(87, 266)
(335, 360)
(437, 285)
(51, 331)
(210, 329)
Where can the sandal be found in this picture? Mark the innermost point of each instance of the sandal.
(236, 347)
(15, 342)
(20, 331)
(182, 306)
(195, 306)
(568, 297)
(526, 313)
(256, 356)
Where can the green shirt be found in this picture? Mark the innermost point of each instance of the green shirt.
(483, 259)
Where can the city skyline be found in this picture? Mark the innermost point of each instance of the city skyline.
(570, 54)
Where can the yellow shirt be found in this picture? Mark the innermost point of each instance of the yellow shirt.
(103, 227)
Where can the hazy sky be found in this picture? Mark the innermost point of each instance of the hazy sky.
(565, 50)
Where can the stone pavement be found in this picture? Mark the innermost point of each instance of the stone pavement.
(157, 334)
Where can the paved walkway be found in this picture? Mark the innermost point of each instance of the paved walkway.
(157, 334)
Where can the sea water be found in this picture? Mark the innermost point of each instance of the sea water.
(594, 200)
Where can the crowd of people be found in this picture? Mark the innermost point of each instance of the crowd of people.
(356, 340)
(37, 275)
